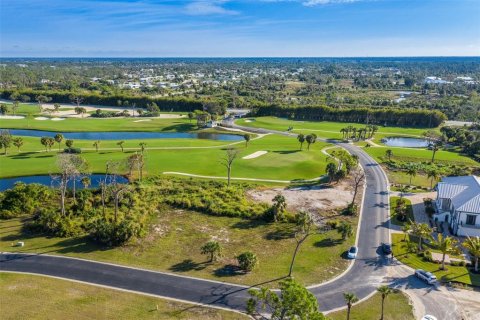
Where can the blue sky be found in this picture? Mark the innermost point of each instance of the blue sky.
(236, 28)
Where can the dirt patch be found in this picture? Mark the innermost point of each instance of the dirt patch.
(314, 199)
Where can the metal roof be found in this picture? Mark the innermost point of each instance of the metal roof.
(464, 192)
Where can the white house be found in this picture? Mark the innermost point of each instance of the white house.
(458, 203)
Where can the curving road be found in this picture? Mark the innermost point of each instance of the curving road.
(362, 278)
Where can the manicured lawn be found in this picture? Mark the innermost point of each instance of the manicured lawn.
(174, 241)
(324, 129)
(109, 124)
(284, 160)
(394, 217)
(453, 273)
(36, 297)
(397, 307)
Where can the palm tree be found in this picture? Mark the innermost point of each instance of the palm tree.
(445, 245)
(472, 244)
(279, 206)
(403, 190)
(142, 145)
(18, 142)
(350, 299)
(58, 138)
(345, 229)
(331, 170)
(301, 139)
(246, 137)
(406, 228)
(343, 131)
(421, 231)
(86, 182)
(384, 291)
(433, 173)
(435, 147)
(120, 144)
(311, 138)
(412, 171)
(389, 154)
(96, 144)
(213, 248)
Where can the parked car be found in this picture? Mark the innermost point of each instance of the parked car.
(387, 248)
(425, 276)
(352, 252)
(428, 317)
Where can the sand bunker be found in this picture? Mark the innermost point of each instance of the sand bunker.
(12, 117)
(41, 118)
(248, 121)
(57, 119)
(143, 120)
(255, 155)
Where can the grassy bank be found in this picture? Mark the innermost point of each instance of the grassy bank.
(37, 297)
(452, 273)
(175, 237)
(397, 307)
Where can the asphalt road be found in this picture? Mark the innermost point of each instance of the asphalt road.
(363, 277)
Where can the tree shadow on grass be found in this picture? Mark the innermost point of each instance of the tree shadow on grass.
(229, 270)
(286, 151)
(328, 242)
(281, 232)
(249, 224)
(188, 265)
(180, 127)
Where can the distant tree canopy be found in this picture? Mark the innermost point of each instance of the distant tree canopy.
(383, 116)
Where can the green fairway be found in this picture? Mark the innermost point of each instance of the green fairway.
(175, 237)
(102, 124)
(452, 273)
(397, 307)
(284, 160)
(36, 297)
(324, 129)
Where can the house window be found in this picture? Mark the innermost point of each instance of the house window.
(471, 219)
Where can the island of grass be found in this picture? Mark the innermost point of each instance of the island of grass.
(38, 297)
(405, 210)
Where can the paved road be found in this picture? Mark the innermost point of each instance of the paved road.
(363, 277)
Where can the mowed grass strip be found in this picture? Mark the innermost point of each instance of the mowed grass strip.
(175, 237)
(324, 129)
(397, 307)
(453, 273)
(38, 297)
(283, 161)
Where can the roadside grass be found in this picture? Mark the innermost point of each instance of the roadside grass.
(284, 160)
(36, 297)
(324, 129)
(397, 307)
(453, 273)
(393, 215)
(175, 237)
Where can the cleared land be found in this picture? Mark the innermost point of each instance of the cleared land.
(175, 237)
(36, 297)
(397, 307)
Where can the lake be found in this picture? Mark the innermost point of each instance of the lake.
(8, 183)
(127, 135)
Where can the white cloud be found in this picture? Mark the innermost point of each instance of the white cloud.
(311, 3)
(208, 7)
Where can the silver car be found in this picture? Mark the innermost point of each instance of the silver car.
(426, 276)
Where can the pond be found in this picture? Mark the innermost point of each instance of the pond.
(125, 135)
(406, 142)
(8, 183)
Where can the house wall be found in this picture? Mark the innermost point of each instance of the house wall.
(468, 230)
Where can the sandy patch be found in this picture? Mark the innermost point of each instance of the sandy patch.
(143, 120)
(12, 117)
(315, 199)
(57, 119)
(41, 118)
(255, 155)
(248, 121)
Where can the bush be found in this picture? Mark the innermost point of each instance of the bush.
(106, 232)
(247, 261)
(333, 224)
(72, 150)
(24, 199)
(55, 224)
(461, 263)
(350, 210)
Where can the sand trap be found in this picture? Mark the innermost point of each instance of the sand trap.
(248, 121)
(12, 117)
(143, 120)
(41, 118)
(255, 155)
(57, 119)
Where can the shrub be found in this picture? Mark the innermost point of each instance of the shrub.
(54, 223)
(24, 199)
(351, 210)
(247, 261)
(72, 150)
(333, 224)
(108, 233)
